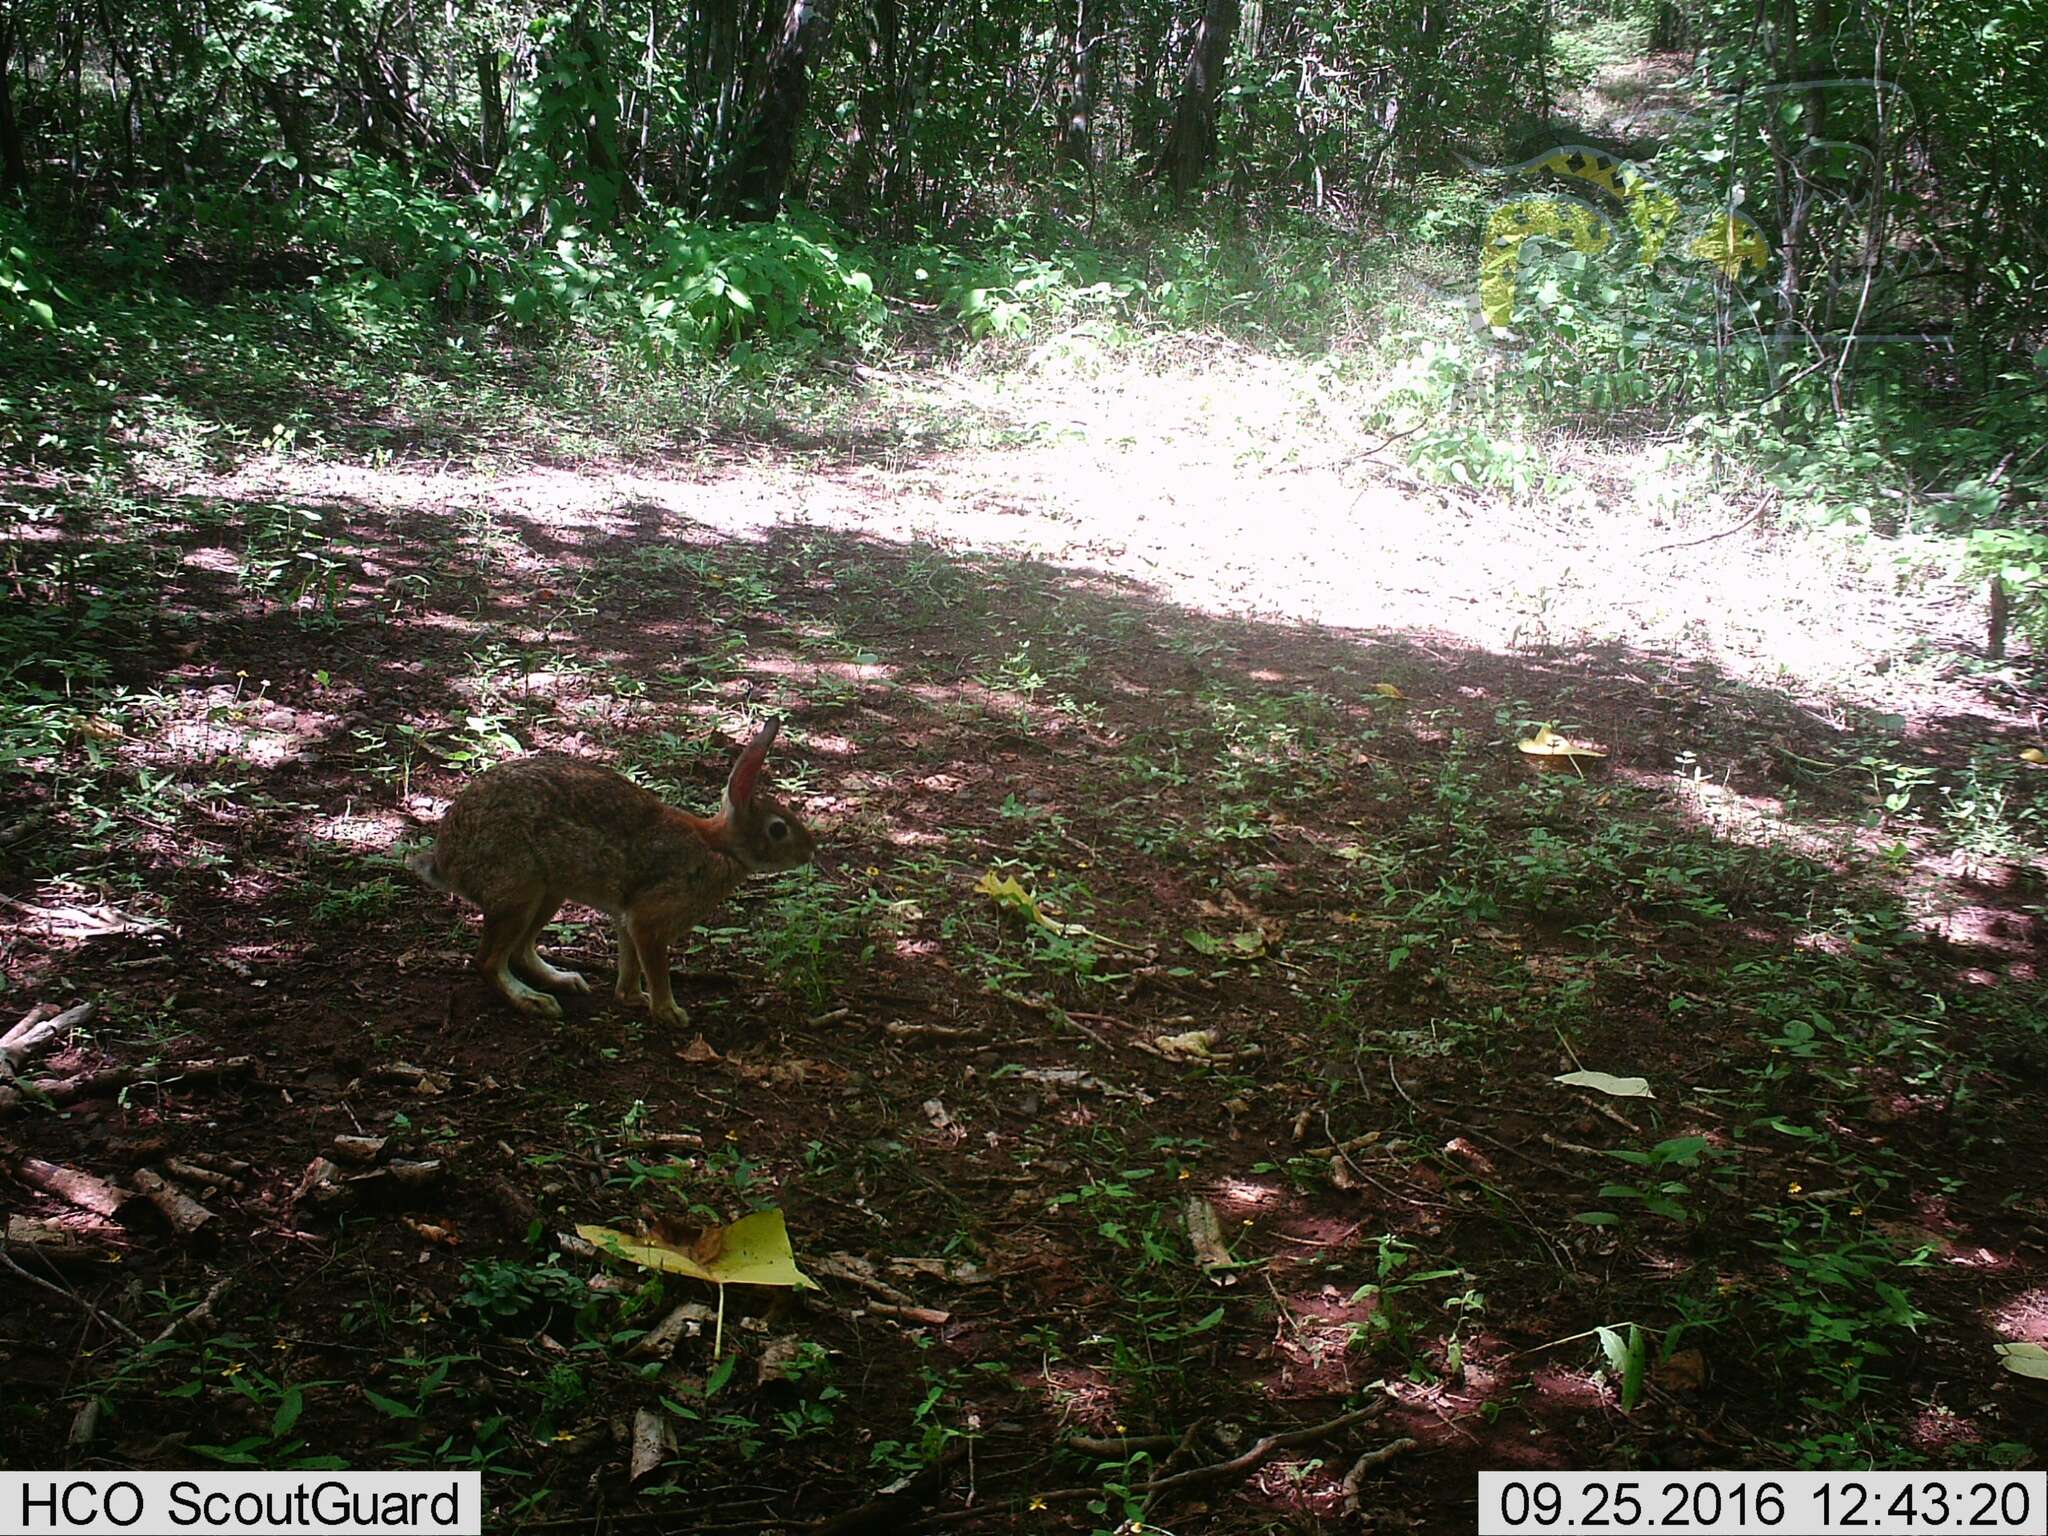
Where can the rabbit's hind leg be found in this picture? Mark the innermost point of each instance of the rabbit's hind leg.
(527, 961)
(506, 931)
(629, 990)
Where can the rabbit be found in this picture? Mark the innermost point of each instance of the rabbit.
(530, 834)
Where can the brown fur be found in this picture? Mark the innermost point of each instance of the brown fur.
(534, 833)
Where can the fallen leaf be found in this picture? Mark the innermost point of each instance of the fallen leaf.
(1006, 892)
(1683, 1372)
(653, 1443)
(1547, 743)
(697, 1052)
(2029, 1360)
(752, 1251)
(1194, 1045)
(1608, 1083)
(1388, 691)
(776, 1359)
(1205, 1236)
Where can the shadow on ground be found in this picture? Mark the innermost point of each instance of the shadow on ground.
(1318, 941)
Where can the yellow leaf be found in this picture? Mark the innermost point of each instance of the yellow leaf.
(1006, 892)
(1388, 691)
(2035, 756)
(752, 1251)
(1547, 743)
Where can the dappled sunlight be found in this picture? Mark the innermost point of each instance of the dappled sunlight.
(1199, 522)
(1245, 1198)
(364, 831)
(1394, 850)
(1323, 947)
(459, 625)
(2023, 1317)
(1083, 1396)
(1937, 1430)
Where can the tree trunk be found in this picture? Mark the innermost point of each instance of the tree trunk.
(13, 161)
(1077, 107)
(490, 95)
(1191, 141)
(762, 177)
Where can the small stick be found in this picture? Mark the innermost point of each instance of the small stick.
(1355, 1478)
(203, 1313)
(1175, 1482)
(1216, 1471)
(65, 1090)
(53, 1243)
(1658, 549)
(929, 1316)
(1119, 1446)
(111, 1324)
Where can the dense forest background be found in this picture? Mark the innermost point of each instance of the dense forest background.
(604, 163)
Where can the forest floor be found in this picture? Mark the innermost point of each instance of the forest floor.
(1155, 636)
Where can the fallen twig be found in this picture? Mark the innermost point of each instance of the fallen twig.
(66, 1090)
(38, 1027)
(1175, 1482)
(202, 1176)
(1355, 1478)
(899, 1030)
(1118, 1447)
(1217, 1471)
(203, 1313)
(1658, 549)
(930, 1317)
(855, 1270)
(53, 1243)
(112, 1324)
(86, 924)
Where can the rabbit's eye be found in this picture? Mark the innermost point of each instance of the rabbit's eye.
(777, 830)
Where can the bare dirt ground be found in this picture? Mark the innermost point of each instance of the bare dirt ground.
(1170, 647)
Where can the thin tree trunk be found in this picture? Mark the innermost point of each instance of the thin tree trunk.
(1191, 142)
(490, 95)
(762, 178)
(13, 160)
(1077, 109)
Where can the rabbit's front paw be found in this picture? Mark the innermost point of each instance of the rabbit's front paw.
(526, 1000)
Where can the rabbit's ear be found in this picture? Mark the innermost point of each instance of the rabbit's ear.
(739, 788)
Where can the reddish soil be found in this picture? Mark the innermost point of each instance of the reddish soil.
(885, 1099)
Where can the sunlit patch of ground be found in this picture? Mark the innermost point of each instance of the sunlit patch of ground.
(1220, 491)
(1133, 655)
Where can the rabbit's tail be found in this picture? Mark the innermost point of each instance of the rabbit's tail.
(421, 862)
